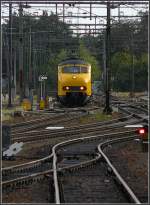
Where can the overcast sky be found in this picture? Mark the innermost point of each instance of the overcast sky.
(37, 9)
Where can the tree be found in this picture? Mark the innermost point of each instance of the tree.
(48, 37)
(87, 56)
(121, 71)
(141, 73)
(122, 65)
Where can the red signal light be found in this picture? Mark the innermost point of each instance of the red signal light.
(142, 131)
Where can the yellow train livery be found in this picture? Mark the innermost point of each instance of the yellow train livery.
(74, 82)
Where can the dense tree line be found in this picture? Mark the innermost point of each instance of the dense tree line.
(129, 50)
(52, 41)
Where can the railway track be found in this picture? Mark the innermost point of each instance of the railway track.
(71, 188)
(75, 132)
(21, 181)
(136, 111)
(35, 165)
(46, 118)
(127, 162)
(64, 162)
(42, 123)
(87, 128)
(67, 133)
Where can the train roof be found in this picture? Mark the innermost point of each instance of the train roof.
(73, 61)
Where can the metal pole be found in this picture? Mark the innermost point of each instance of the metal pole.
(90, 11)
(107, 108)
(63, 13)
(10, 58)
(14, 79)
(34, 65)
(133, 80)
(95, 24)
(21, 79)
(44, 89)
(119, 13)
(41, 91)
(30, 69)
(104, 63)
(56, 9)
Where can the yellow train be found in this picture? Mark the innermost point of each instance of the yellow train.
(74, 82)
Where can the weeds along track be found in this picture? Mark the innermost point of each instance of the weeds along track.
(86, 181)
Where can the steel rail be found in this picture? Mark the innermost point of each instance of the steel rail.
(67, 133)
(134, 114)
(122, 181)
(32, 121)
(56, 186)
(49, 117)
(139, 108)
(82, 164)
(41, 123)
(26, 164)
(76, 127)
(26, 177)
(54, 170)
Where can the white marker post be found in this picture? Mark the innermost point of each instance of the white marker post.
(41, 79)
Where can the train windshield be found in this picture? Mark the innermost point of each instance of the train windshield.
(74, 69)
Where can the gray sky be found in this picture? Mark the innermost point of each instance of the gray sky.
(37, 9)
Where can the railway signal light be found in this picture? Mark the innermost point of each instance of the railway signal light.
(143, 133)
(143, 130)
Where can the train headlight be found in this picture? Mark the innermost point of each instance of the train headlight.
(82, 88)
(66, 88)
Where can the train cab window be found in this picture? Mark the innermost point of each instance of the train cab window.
(74, 69)
(71, 70)
(84, 70)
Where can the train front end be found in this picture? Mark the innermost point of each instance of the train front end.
(74, 82)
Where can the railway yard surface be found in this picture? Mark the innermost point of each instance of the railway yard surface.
(89, 157)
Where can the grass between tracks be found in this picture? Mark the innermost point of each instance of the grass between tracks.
(7, 113)
(127, 94)
(98, 116)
